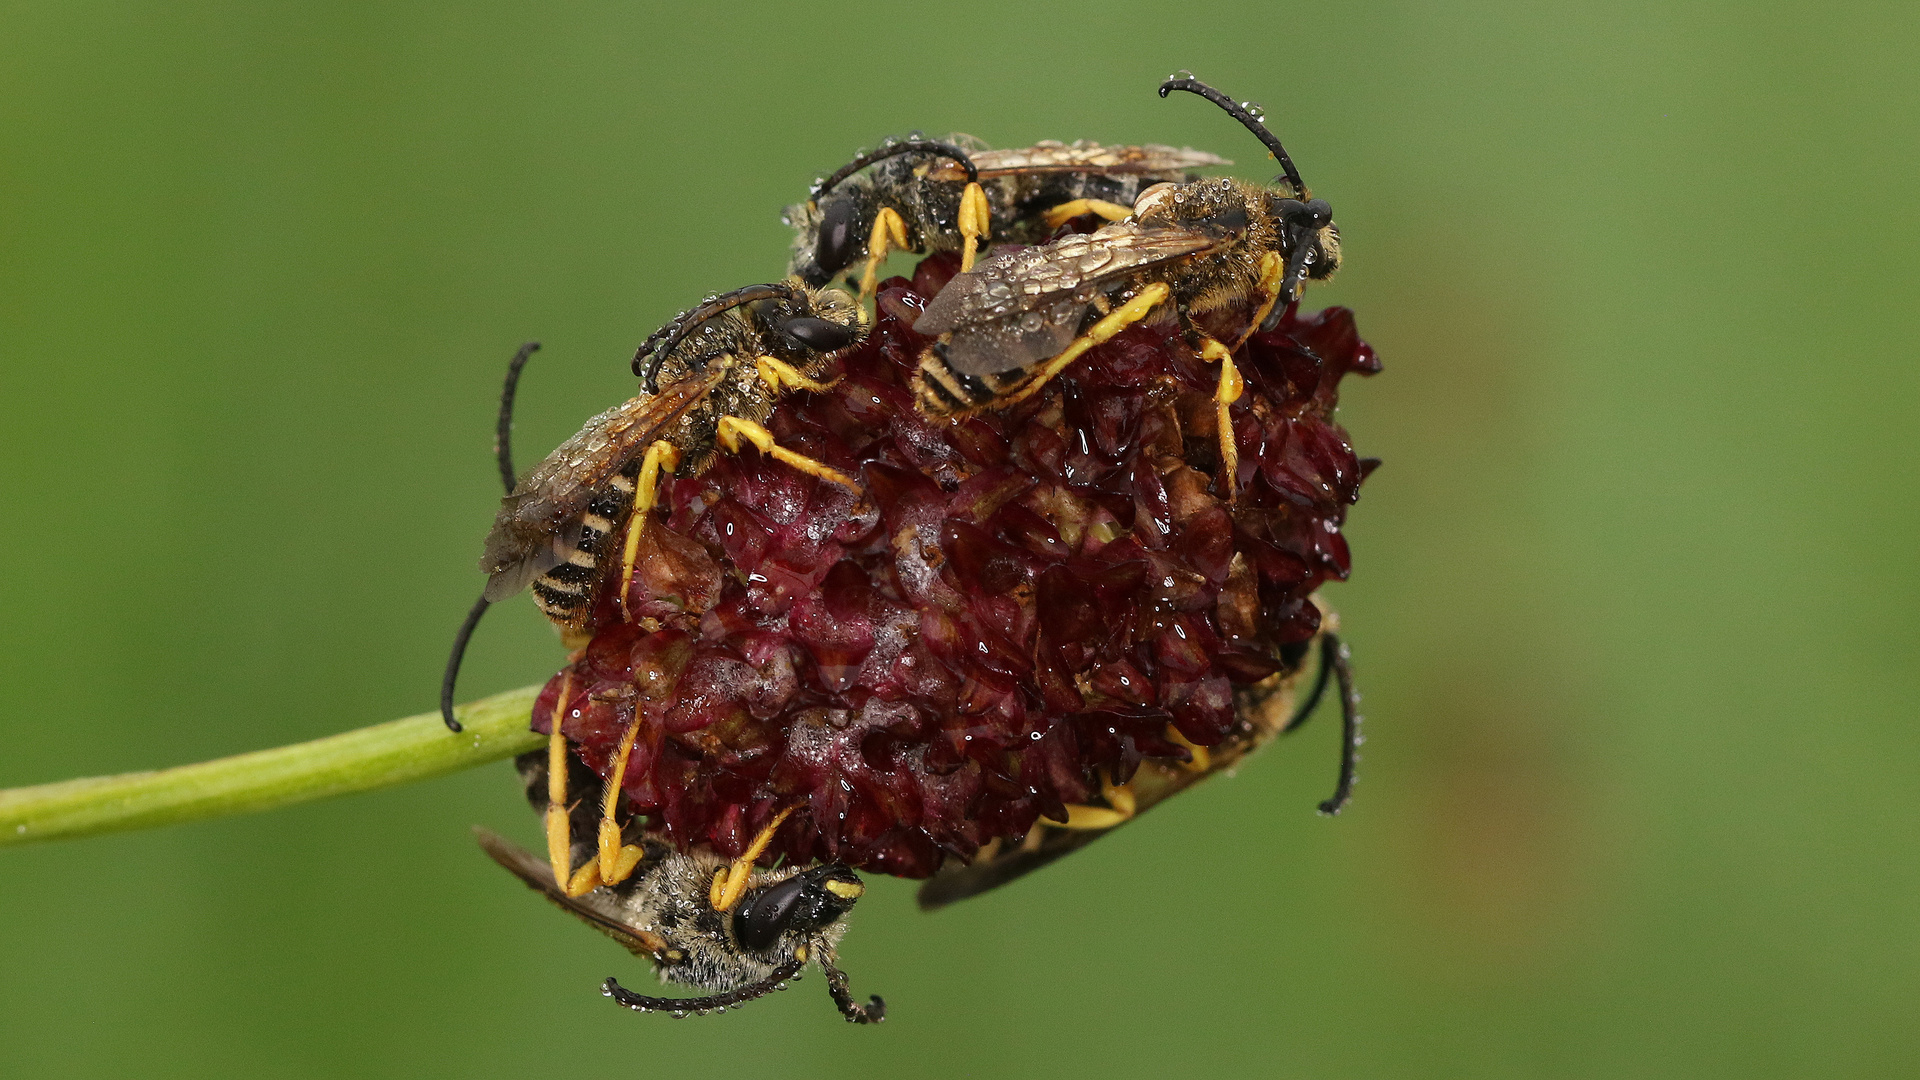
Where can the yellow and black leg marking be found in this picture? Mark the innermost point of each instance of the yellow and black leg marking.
(734, 430)
(730, 882)
(1099, 333)
(1067, 211)
(1120, 808)
(976, 220)
(1272, 270)
(1229, 391)
(1202, 759)
(662, 458)
(889, 230)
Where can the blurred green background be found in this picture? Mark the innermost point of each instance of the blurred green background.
(1635, 592)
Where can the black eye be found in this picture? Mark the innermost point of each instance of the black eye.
(835, 250)
(1322, 213)
(760, 920)
(817, 333)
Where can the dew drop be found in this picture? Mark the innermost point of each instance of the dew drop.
(1254, 110)
(1183, 73)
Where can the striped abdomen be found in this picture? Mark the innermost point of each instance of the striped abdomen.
(568, 591)
(942, 391)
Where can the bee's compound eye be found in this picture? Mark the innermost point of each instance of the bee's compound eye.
(817, 333)
(761, 918)
(838, 238)
(1321, 211)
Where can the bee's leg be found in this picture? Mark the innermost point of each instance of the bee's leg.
(730, 883)
(1202, 759)
(617, 861)
(781, 376)
(976, 219)
(1273, 270)
(662, 458)
(1122, 317)
(1229, 391)
(559, 834)
(1067, 211)
(889, 228)
(1120, 808)
(734, 429)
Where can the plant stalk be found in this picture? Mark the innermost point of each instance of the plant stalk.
(397, 752)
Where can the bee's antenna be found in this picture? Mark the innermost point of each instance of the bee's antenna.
(503, 455)
(503, 434)
(874, 1011)
(654, 350)
(682, 1006)
(907, 146)
(1336, 661)
(1247, 117)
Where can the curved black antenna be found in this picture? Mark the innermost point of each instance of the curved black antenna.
(1336, 662)
(452, 675)
(874, 1011)
(908, 146)
(1336, 656)
(1304, 711)
(1247, 119)
(682, 1006)
(503, 434)
(503, 456)
(654, 350)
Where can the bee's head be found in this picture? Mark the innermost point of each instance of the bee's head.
(842, 217)
(789, 913)
(812, 322)
(1310, 240)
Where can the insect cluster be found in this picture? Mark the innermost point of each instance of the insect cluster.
(943, 591)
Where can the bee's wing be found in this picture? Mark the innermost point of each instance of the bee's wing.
(538, 523)
(1263, 710)
(1020, 308)
(596, 909)
(1085, 157)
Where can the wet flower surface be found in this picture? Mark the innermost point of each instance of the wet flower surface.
(1016, 605)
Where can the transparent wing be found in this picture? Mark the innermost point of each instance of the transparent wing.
(1059, 157)
(538, 522)
(1022, 307)
(595, 909)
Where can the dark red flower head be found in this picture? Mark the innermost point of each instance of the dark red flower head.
(1018, 603)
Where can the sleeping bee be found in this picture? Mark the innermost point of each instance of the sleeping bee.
(571, 529)
(665, 911)
(1223, 257)
(722, 365)
(928, 196)
(1266, 710)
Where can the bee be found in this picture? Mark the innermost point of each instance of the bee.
(1265, 711)
(711, 377)
(1222, 257)
(666, 912)
(928, 196)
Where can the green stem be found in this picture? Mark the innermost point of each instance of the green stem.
(398, 752)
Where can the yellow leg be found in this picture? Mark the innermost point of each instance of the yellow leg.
(1229, 391)
(1272, 269)
(559, 836)
(976, 219)
(662, 457)
(889, 228)
(730, 883)
(1120, 808)
(1202, 760)
(1122, 317)
(781, 376)
(612, 853)
(734, 429)
(1067, 211)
